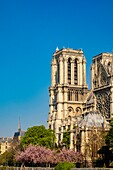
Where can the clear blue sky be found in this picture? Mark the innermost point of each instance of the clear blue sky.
(30, 31)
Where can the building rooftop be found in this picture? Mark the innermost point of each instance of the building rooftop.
(104, 54)
(93, 119)
(7, 139)
(19, 134)
(79, 51)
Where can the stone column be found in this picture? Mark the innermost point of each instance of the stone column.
(65, 101)
(51, 106)
(57, 125)
(61, 69)
(83, 140)
(51, 100)
(72, 72)
(71, 136)
(59, 102)
(53, 72)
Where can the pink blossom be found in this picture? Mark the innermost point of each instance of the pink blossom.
(40, 154)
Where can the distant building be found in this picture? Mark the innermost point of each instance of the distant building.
(8, 142)
(5, 144)
(17, 135)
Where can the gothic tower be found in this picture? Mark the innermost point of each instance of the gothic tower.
(102, 84)
(68, 88)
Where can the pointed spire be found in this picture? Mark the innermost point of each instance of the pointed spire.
(19, 125)
(57, 49)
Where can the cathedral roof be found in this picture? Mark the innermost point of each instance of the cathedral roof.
(93, 119)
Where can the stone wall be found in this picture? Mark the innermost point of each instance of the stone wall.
(47, 168)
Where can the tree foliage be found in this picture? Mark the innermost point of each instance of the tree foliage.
(106, 150)
(8, 158)
(106, 155)
(109, 136)
(65, 166)
(66, 139)
(42, 155)
(38, 135)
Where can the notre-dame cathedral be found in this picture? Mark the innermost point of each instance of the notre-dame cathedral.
(73, 106)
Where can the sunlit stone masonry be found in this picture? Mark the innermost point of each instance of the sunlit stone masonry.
(72, 107)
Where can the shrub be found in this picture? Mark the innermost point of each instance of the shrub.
(111, 164)
(65, 166)
(99, 162)
(3, 168)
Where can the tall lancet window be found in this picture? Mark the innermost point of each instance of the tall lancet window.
(75, 72)
(69, 70)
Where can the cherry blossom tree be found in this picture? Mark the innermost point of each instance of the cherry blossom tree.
(67, 155)
(35, 154)
(43, 155)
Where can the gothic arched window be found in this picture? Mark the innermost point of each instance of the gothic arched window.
(69, 70)
(76, 96)
(75, 72)
(69, 96)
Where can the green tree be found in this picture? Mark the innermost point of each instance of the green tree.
(106, 155)
(109, 137)
(38, 135)
(8, 158)
(107, 150)
(95, 140)
(66, 139)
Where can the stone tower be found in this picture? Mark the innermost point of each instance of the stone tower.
(102, 84)
(68, 89)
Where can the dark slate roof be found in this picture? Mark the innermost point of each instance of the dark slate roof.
(17, 134)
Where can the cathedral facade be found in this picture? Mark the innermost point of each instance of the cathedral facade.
(73, 107)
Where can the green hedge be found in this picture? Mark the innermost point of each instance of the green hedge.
(65, 166)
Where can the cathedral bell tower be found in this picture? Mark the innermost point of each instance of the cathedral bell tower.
(68, 88)
(102, 83)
